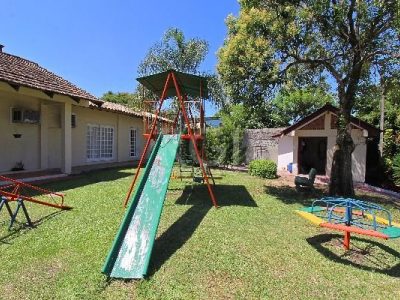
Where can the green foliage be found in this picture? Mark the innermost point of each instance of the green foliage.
(213, 144)
(396, 169)
(294, 104)
(174, 52)
(368, 109)
(295, 42)
(274, 42)
(245, 116)
(264, 168)
(225, 145)
(239, 150)
(132, 100)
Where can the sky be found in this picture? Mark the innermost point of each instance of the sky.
(98, 45)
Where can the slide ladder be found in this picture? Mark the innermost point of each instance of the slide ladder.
(130, 253)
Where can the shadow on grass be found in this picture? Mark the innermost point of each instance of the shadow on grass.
(180, 232)
(374, 257)
(24, 228)
(88, 178)
(289, 195)
(226, 195)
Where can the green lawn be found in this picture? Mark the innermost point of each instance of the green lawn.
(253, 247)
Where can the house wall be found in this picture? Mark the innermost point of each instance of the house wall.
(120, 123)
(285, 150)
(25, 149)
(288, 149)
(44, 145)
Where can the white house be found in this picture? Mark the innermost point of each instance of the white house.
(47, 122)
(310, 143)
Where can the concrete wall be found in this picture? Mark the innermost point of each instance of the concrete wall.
(260, 144)
(288, 146)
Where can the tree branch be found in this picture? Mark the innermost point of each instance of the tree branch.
(323, 62)
(353, 35)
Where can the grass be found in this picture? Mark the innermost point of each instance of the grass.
(253, 247)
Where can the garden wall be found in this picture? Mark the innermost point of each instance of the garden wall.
(260, 144)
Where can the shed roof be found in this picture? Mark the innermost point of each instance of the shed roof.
(372, 130)
(192, 85)
(19, 71)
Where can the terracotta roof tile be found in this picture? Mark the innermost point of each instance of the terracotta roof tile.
(122, 109)
(20, 71)
(117, 108)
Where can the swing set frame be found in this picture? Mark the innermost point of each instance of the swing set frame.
(179, 85)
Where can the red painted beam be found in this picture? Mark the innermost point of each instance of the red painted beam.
(14, 197)
(354, 229)
(33, 187)
(192, 137)
(152, 132)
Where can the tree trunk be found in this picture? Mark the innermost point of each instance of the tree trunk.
(341, 174)
(382, 116)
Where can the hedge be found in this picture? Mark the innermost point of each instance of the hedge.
(264, 168)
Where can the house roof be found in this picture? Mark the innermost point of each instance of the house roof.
(122, 109)
(117, 108)
(372, 130)
(18, 72)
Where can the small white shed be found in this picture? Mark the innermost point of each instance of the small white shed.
(310, 143)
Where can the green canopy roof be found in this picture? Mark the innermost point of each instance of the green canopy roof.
(189, 84)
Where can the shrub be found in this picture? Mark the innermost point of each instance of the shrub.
(264, 168)
(239, 150)
(396, 169)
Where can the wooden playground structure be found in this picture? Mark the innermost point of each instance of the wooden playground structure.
(186, 94)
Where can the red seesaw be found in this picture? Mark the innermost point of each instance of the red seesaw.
(12, 191)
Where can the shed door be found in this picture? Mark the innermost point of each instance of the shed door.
(312, 154)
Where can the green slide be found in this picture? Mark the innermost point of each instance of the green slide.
(130, 253)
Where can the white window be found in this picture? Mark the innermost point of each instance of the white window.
(133, 142)
(99, 142)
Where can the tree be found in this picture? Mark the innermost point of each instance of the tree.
(367, 110)
(174, 52)
(275, 41)
(131, 100)
(294, 104)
